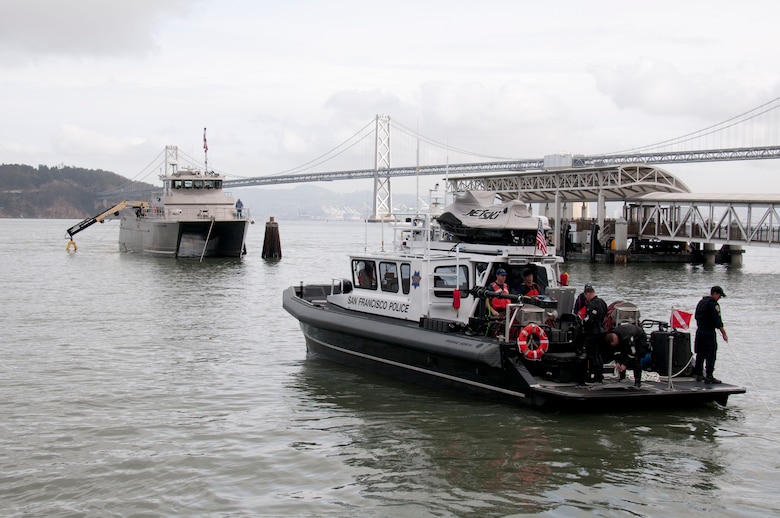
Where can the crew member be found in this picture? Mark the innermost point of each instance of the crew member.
(581, 302)
(593, 327)
(629, 346)
(496, 305)
(705, 344)
(366, 277)
(529, 288)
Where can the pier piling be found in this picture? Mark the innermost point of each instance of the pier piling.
(272, 247)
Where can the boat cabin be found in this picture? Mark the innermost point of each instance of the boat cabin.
(440, 262)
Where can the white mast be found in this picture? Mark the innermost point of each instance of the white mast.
(205, 151)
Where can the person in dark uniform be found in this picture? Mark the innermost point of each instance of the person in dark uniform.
(705, 343)
(593, 328)
(629, 345)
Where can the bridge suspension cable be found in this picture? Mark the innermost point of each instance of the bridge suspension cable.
(774, 104)
(336, 151)
(415, 134)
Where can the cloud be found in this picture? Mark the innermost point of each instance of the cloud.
(660, 88)
(356, 103)
(75, 141)
(281, 84)
(50, 28)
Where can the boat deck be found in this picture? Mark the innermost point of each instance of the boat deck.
(683, 390)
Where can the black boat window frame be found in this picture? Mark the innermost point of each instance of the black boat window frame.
(406, 277)
(388, 276)
(443, 277)
(359, 270)
(479, 269)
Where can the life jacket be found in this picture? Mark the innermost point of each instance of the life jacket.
(497, 303)
(533, 290)
(579, 305)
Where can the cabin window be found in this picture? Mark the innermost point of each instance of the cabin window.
(479, 271)
(445, 277)
(406, 277)
(217, 184)
(188, 184)
(364, 274)
(177, 184)
(540, 278)
(388, 274)
(198, 184)
(209, 184)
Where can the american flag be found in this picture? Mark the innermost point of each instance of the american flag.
(541, 241)
(205, 145)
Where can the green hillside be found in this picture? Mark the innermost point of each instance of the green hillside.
(56, 192)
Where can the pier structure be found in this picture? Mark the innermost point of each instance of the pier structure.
(733, 220)
(656, 206)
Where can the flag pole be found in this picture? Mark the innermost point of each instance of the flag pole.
(205, 150)
(536, 237)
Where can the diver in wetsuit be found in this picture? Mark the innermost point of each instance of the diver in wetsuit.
(629, 345)
(595, 312)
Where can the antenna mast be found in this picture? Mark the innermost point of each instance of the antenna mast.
(205, 151)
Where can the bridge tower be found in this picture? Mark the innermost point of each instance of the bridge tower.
(383, 198)
(171, 159)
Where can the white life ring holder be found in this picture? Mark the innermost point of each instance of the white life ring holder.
(538, 343)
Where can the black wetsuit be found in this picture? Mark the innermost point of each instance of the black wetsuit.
(705, 344)
(595, 311)
(631, 348)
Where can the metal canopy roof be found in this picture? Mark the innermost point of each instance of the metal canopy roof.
(718, 198)
(614, 183)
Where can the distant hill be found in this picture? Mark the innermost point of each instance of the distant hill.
(56, 192)
(70, 193)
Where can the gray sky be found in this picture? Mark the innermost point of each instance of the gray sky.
(107, 83)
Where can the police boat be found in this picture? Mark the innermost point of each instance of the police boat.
(425, 311)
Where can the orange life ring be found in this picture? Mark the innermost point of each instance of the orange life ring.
(533, 342)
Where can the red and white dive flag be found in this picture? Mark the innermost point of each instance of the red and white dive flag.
(680, 319)
(541, 241)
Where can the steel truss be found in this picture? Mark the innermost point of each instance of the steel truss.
(383, 199)
(612, 183)
(697, 219)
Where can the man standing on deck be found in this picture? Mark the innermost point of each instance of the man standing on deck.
(595, 312)
(705, 344)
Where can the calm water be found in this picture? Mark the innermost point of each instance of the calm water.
(133, 386)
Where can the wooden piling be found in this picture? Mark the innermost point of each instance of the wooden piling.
(272, 246)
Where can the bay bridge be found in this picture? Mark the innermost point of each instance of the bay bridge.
(657, 204)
